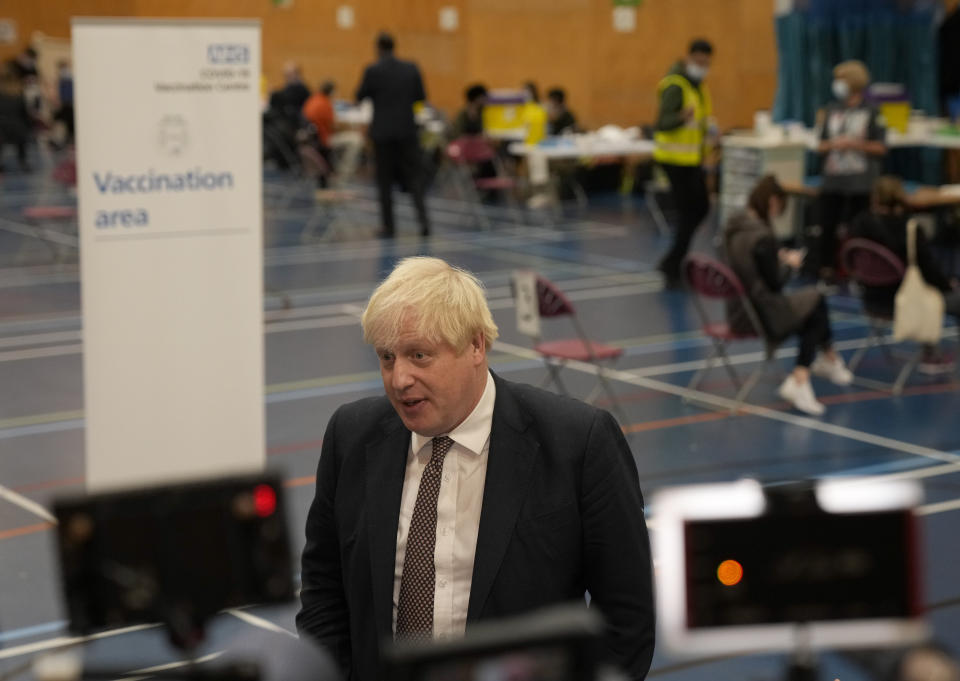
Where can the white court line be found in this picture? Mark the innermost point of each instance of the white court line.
(728, 404)
(52, 337)
(922, 473)
(39, 353)
(145, 673)
(26, 504)
(759, 356)
(259, 622)
(277, 322)
(67, 641)
(940, 507)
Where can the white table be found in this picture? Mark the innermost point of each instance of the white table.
(583, 147)
(362, 115)
(811, 140)
(507, 135)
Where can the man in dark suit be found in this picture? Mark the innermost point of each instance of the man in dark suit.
(462, 497)
(395, 86)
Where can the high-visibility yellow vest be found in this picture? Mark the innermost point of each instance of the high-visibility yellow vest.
(534, 117)
(684, 146)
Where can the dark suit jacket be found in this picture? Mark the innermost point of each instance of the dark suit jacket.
(394, 86)
(562, 514)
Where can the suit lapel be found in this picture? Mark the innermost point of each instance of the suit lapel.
(386, 464)
(509, 467)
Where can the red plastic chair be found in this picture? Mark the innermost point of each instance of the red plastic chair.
(709, 278)
(47, 220)
(552, 303)
(466, 154)
(871, 264)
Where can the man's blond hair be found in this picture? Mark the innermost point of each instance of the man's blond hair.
(444, 303)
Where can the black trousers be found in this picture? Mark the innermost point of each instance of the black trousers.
(815, 334)
(835, 210)
(400, 160)
(688, 189)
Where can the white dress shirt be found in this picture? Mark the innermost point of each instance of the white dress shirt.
(458, 513)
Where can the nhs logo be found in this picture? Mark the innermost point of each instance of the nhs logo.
(227, 53)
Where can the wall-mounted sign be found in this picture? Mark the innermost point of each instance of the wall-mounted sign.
(624, 19)
(8, 32)
(449, 19)
(345, 17)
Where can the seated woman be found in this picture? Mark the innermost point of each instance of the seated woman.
(763, 268)
(886, 224)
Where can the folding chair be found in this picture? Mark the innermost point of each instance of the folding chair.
(653, 189)
(56, 223)
(870, 264)
(467, 153)
(708, 278)
(550, 302)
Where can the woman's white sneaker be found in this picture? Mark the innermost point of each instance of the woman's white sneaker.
(833, 369)
(801, 396)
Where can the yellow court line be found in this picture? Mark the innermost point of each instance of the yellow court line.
(37, 419)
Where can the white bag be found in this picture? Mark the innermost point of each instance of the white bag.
(918, 309)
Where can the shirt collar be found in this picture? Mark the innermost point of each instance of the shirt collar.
(474, 432)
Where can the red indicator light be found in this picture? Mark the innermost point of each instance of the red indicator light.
(730, 573)
(264, 500)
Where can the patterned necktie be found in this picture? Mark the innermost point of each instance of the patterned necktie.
(418, 580)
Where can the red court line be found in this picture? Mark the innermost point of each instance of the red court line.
(678, 421)
(300, 482)
(38, 486)
(294, 447)
(27, 529)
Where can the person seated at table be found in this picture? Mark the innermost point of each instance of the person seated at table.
(852, 142)
(470, 119)
(533, 115)
(561, 118)
(886, 224)
(764, 268)
(318, 111)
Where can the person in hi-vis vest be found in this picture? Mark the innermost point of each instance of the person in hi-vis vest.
(681, 137)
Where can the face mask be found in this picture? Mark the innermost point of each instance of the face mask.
(841, 89)
(696, 71)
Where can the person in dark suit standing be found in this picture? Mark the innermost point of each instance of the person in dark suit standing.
(460, 496)
(395, 86)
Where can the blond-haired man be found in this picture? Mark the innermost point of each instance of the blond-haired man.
(460, 496)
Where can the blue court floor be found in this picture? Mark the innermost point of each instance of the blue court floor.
(602, 257)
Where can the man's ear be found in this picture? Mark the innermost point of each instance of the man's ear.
(479, 345)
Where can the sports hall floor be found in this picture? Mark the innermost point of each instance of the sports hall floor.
(602, 257)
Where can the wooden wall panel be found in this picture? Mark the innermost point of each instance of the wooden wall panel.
(610, 77)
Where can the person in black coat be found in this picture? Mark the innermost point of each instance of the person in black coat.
(395, 86)
(536, 501)
(14, 117)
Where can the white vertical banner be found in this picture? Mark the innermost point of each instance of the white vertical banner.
(170, 211)
(527, 302)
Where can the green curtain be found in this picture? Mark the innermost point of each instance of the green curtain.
(896, 39)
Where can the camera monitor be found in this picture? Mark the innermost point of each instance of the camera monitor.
(832, 564)
(555, 644)
(176, 554)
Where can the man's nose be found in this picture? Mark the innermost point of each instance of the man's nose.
(402, 377)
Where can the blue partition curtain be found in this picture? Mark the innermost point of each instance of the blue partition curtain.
(896, 39)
